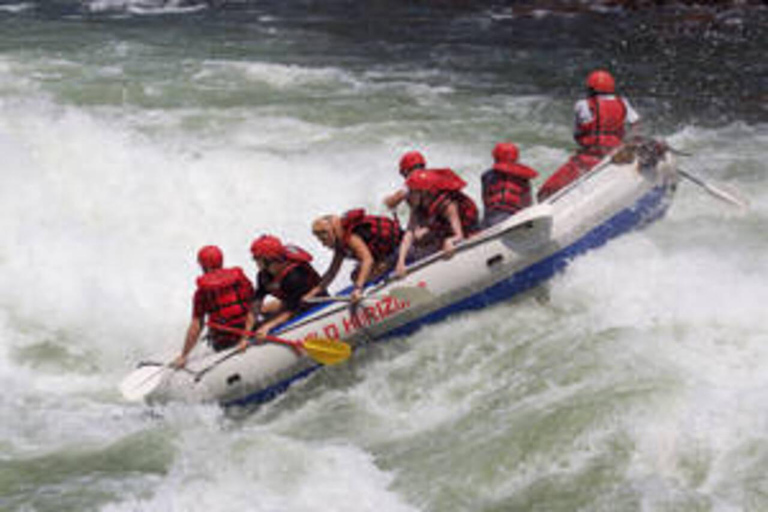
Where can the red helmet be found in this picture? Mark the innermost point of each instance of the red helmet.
(210, 257)
(267, 247)
(601, 81)
(505, 152)
(412, 160)
(433, 180)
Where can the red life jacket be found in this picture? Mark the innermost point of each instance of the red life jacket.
(382, 235)
(506, 191)
(227, 294)
(297, 257)
(468, 213)
(606, 130)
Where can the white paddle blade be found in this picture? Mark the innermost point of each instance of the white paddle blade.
(718, 191)
(731, 196)
(143, 381)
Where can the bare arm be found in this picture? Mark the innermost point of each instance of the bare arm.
(193, 333)
(272, 323)
(328, 277)
(405, 246)
(364, 256)
(394, 199)
(250, 321)
(451, 212)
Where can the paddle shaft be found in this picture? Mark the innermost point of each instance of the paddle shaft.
(321, 351)
(297, 345)
(713, 190)
(339, 298)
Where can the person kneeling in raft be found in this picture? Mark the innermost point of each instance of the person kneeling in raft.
(441, 215)
(285, 272)
(371, 240)
(224, 295)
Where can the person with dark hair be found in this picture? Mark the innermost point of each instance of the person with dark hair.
(286, 274)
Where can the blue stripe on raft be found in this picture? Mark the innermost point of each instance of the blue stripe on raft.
(271, 392)
(648, 209)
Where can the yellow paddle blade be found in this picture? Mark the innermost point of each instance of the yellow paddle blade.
(327, 351)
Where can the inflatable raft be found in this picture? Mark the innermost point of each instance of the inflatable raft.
(629, 189)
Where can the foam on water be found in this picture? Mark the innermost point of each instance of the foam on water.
(638, 386)
(692, 313)
(145, 7)
(258, 468)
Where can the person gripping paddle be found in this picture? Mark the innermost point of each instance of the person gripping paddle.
(223, 295)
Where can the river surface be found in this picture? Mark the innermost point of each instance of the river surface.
(132, 133)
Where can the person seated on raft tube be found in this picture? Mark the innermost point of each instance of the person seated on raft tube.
(409, 162)
(506, 185)
(371, 240)
(224, 294)
(441, 215)
(599, 128)
(286, 273)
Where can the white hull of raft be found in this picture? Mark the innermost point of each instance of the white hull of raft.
(495, 265)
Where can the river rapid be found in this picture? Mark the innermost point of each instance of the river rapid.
(132, 133)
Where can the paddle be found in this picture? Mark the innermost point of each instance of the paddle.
(338, 298)
(324, 351)
(327, 298)
(143, 381)
(711, 188)
(715, 191)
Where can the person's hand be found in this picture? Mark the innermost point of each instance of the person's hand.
(261, 334)
(400, 270)
(420, 233)
(243, 344)
(180, 362)
(356, 295)
(448, 248)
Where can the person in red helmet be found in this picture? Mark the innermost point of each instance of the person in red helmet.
(409, 162)
(441, 215)
(599, 128)
(224, 295)
(285, 273)
(371, 240)
(506, 185)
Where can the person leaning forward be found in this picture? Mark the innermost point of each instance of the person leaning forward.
(409, 162)
(441, 215)
(286, 274)
(371, 240)
(224, 295)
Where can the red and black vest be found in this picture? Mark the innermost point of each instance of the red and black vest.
(506, 192)
(606, 130)
(296, 257)
(381, 234)
(226, 294)
(468, 213)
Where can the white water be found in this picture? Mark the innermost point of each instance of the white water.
(640, 386)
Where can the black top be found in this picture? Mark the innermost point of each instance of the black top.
(296, 283)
